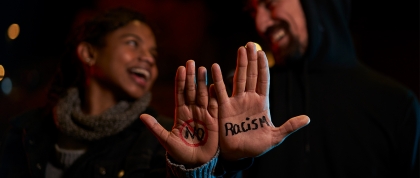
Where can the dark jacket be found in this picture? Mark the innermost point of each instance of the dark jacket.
(362, 123)
(134, 152)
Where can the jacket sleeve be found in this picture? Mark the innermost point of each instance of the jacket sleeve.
(204, 171)
(216, 167)
(12, 156)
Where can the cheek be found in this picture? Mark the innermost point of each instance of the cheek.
(125, 55)
(120, 60)
(259, 22)
(262, 18)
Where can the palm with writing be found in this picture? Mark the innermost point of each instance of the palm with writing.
(245, 123)
(193, 139)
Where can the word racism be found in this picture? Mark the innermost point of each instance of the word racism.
(235, 128)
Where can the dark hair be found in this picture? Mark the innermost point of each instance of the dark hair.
(94, 31)
(70, 71)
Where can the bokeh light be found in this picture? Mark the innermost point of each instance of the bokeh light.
(13, 31)
(1, 72)
(6, 85)
(268, 54)
(270, 58)
(258, 46)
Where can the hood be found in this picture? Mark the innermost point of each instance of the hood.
(330, 41)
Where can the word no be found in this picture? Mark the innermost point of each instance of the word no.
(196, 132)
(194, 136)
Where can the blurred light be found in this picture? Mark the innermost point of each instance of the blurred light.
(13, 31)
(1, 72)
(6, 85)
(258, 46)
(270, 58)
(268, 54)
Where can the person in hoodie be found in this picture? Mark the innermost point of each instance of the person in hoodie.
(363, 124)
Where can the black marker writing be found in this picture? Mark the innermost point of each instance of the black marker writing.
(193, 133)
(197, 132)
(262, 120)
(244, 126)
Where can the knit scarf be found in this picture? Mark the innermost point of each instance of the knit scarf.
(70, 119)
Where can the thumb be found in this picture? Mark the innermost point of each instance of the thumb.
(289, 127)
(153, 125)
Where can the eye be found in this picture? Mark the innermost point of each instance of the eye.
(133, 43)
(269, 4)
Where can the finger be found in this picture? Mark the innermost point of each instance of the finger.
(190, 83)
(220, 88)
(180, 86)
(160, 133)
(290, 126)
(252, 69)
(213, 107)
(202, 95)
(263, 83)
(239, 78)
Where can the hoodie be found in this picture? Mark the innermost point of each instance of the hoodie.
(363, 124)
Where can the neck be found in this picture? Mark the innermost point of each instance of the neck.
(96, 99)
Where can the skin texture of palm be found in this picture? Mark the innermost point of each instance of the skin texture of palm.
(245, 123)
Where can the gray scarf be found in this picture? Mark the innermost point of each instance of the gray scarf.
(73, 122)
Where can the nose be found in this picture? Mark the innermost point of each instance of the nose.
(147, 56)
(263, 18)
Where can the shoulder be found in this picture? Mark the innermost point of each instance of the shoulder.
(363, 87)
(386, 86)
(29, 118)
(385, 94)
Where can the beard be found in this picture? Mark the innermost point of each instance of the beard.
(291, 54)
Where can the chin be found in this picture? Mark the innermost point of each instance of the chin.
(133, 94)
(138, 94)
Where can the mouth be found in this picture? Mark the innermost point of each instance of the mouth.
(140, 75)
(278, 35)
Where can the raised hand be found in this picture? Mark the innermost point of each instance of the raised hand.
(245, 123)
(193, 139)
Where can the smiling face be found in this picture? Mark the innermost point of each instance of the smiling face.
(282, 23)
(126, 63)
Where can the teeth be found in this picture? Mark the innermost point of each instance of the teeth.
(278, 35)
(141, 71)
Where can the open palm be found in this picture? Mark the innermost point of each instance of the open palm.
(245, 123)
(193, 139)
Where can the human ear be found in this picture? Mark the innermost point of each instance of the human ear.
(86, 53)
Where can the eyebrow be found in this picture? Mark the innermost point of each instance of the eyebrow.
(131, 35)
(153, 49)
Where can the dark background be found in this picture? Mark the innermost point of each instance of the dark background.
(386, 35)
